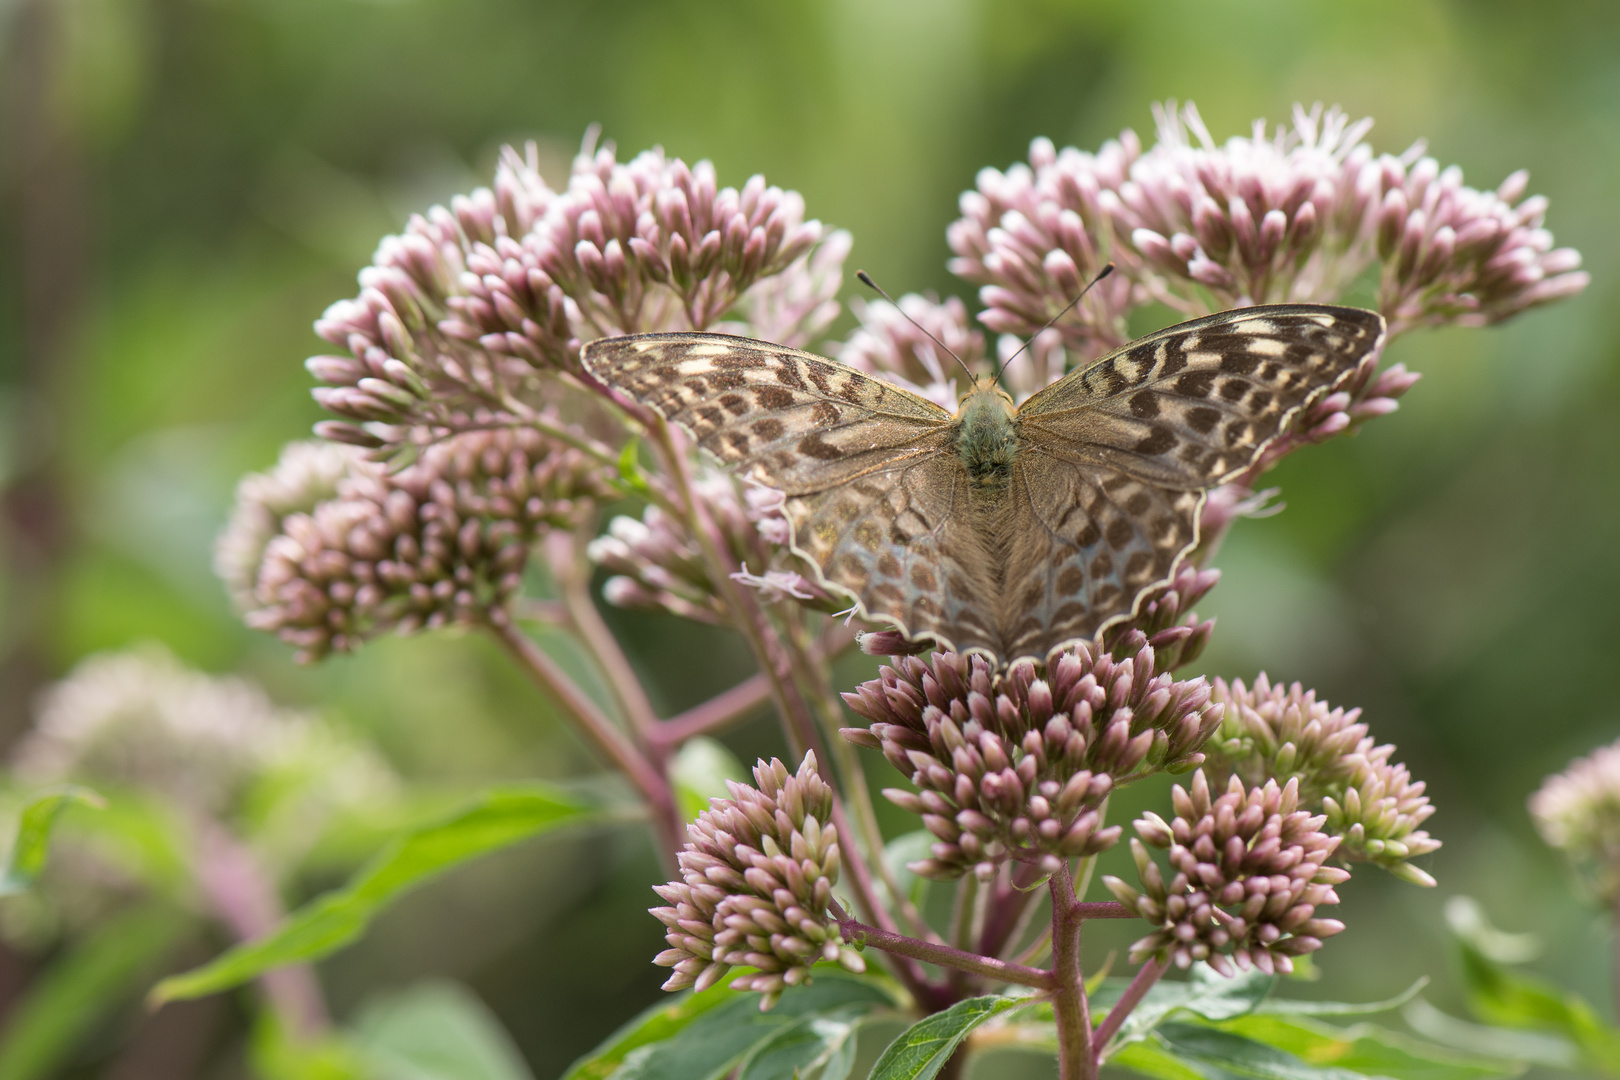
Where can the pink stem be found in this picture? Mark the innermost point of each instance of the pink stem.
(945, 956)
(1076, 1059)
(1146, 976)
(722, 710)
(246, 901)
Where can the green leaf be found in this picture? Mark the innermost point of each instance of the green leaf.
(1509, 999)
(1289, 1007)
(33, 840)
(273, 1054)
(1366, 1049)
(705, 1036)
(1207, 994)
(95, 976)
(700, 771)
(1530, 1047)
(498, 819)
(1197, 1044)
(1149, 1057)
(821, 1041)
(924, 1047)
(630, 467)
(652, 1025)
(436, 1031)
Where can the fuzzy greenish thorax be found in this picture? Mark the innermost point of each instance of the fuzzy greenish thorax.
(985, 438)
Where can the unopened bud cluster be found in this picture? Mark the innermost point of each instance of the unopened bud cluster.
(1284, 733)
(756, 880)
(1294, 216)
(444, 540)
(1165, 620)
(461, 312)
(1017, 765)
(658, 565)
(1577, 812)
(1248, 869)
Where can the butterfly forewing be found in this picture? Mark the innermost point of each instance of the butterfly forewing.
(788, 419)
(1193, 405)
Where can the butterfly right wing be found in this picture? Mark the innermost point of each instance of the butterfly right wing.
(786, 419)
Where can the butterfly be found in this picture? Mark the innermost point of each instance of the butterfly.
(1007, 530)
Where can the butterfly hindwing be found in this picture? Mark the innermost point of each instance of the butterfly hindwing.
(785, 418)
(1083, 543)
(901, 540)
(1195, 404)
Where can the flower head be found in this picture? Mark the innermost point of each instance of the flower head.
(1016, 765)
(756, 881)
(1577, 811)
(444, 540)
(1248, 871)
(1284, 733)
(1035, 235)
(461, 315)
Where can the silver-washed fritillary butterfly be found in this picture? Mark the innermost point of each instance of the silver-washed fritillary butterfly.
(1007, 530)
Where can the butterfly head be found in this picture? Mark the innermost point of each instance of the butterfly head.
(985, 436)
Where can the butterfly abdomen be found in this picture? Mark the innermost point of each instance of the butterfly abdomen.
(986, 440)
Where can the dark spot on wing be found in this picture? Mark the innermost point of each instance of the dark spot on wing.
(813, 445)
(1239, 362)
(726, 380)
(768, 428)
(825, 413)
(1234, 389)
(1160, 440)
(1203, 419)
(735, 404)
(1195, 384)
(1145, 404)
(1120, 533)
(774, 397)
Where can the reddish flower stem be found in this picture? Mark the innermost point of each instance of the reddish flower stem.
(945, 956)
(1148, 974)
(593, 725)
(722, 710)
(1076, 1058)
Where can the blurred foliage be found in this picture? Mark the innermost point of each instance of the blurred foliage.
(188, 183)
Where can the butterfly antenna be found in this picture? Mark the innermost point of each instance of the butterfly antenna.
(1104, 272)
(866, 279)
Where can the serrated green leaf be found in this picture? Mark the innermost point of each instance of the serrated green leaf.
(924, 1047)
(33, 840)
(92, 978)
(1367, 1049)
(498, 819)
(1198, 1044)
(436, 1031)
(704, 1036)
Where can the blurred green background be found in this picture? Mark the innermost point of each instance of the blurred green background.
(188, 183)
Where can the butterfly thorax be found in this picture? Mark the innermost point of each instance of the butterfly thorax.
(985, 438)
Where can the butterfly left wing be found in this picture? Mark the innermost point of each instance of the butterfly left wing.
(786, 419)
(1194, 405)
